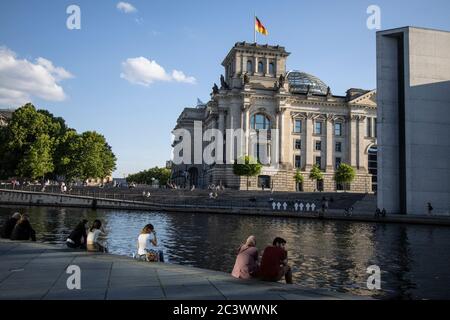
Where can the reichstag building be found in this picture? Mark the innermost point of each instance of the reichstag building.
(313, 125)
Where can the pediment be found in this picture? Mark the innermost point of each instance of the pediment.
(368, 99)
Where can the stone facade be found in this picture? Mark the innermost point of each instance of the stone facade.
(306, 124)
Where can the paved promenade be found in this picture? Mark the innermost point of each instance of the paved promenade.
(38, 271)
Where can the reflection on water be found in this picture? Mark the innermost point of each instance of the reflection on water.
(414, 259)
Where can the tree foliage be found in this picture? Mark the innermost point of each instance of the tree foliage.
(247, 167)
(316, 173)
(37, 161)
(298, 177)
(35, 144)
(148, 176)
(344, 174)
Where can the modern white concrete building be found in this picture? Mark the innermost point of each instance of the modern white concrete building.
(413, 98)
(306, 125)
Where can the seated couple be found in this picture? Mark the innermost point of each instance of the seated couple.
(273, 266)
(81, 238)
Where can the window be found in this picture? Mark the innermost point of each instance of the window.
(298, 161)
(249, 66)
(298, 144)
(338, 147)
(318, 145)
(260, 122)
(298, 126)
(337, 162)
(260, 67)
(319, 162)
(369, 127)
(338, 129)
(318, 128)
(271, 68)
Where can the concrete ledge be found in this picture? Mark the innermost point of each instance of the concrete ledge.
(38, 271)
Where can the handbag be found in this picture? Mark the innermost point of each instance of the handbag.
(152, 256)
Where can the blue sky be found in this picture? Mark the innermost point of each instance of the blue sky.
(326, 38)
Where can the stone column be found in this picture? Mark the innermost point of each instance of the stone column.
(281, 133)
(221, 122)
(352, 138)
(267, 66)
(329, 143)
(277, 127)
(361, 135)
(244, 64)
(229, 143)
(237, 64)
(247, 127)
(308, 145)
(221, 128)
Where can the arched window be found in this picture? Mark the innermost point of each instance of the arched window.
(271, 68)
(260, 67)
(249, 66)
(260, 122)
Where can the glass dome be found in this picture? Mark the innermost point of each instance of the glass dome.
(299, 82)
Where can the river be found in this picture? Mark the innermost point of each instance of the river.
(414, 260)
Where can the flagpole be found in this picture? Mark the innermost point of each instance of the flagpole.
(254, 29)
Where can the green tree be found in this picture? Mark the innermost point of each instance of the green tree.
(67, 156)
(26, 126)
(95, 158)
(38, 159)
(37, 144)
(344, 174)
(148, 176)
(298, 177)
(248, 167)
(315, 173)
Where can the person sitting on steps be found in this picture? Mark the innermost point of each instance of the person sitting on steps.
(9, 225)
(274, 263)
(23, 230)
(78, 237)
(93, 243)
(147, 245)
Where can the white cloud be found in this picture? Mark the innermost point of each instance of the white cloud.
(126, 7)
(58, 72)
(179, 76)
(20, 79)
(144, 72)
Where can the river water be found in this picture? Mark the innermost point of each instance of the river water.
(414, 260)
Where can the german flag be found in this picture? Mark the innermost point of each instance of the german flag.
(260, 28)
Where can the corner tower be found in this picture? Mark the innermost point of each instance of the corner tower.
(263, 64)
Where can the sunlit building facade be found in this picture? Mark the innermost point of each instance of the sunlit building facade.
(313, 126)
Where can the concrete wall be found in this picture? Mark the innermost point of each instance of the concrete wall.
(387, 102)
(38, 198)
(427, 120)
